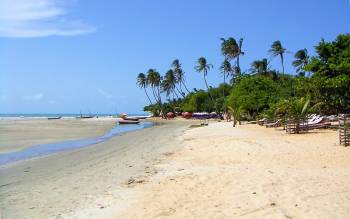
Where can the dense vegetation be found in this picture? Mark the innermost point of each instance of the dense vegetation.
(322, 80)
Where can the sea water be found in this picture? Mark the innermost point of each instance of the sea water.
(45, 149)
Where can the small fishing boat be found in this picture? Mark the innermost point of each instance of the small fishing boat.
(125, 117)
(131, 118)
(143, 117)
(55, 117)
(127, 122)
(84, 117)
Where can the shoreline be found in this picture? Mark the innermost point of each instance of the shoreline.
(67, 145)
(72, 181)
(20, 134)
(175, 171)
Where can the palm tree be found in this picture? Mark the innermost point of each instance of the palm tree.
(260, 67)
(278, 50)
(168, 83)
(142, 83)
(236, 113)
(232, 50)
(203, 66)
(154, 79)
(226, 70)
(298, 110)
(229, 48)
(240, 52)
(301, 59)
(179, 74)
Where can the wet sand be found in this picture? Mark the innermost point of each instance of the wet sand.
(87, 182)
(18, 134)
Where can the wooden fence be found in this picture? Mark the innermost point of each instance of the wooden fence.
(344, 129)
(294, 126)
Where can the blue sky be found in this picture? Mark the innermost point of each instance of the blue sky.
(71, 55)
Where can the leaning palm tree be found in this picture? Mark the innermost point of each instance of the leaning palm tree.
(204, 67)
(154, 79)
(142, 83)
(301, 60)
(179, 74)
(278, 50)
(168, 84)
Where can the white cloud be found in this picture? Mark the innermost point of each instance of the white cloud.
(38, 18)
(105, 94)
(38, 96)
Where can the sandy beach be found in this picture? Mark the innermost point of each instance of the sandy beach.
(86, 182)
(173, 171)
(248, 172)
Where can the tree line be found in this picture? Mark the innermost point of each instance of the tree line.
(321, 80)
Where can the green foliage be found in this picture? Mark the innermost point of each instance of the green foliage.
(253, 94)
(198, 102)
(331, 74)
(301, 60)
(265, 93)
(260, 67)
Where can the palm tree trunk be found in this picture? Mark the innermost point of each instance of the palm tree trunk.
(174, 92)
(282, 63)
(148, 96)
(211, 97)
(160, 104)
(182, 92)
(156, 97)
(154, 94)
(185, 86)
(223, 93)
(238, 66)
(179, 91)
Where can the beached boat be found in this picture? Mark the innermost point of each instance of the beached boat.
(84, 117)
(57, 117)
(143, 117)
(131, 118)
(128, 122)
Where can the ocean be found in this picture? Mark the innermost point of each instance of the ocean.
(64, 115)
